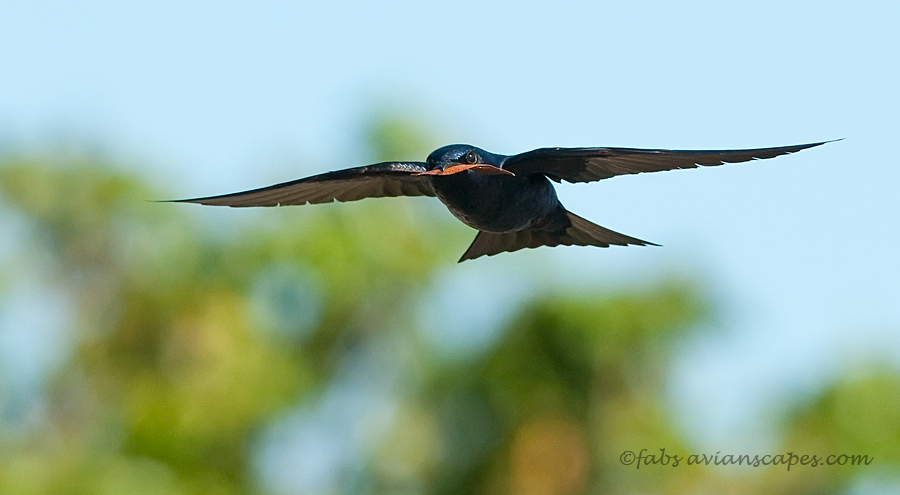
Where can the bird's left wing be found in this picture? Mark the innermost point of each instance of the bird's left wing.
(371, 181)
(590, 164)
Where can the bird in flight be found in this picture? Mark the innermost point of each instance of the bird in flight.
(509, 199)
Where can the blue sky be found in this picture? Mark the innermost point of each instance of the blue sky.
(799, 252)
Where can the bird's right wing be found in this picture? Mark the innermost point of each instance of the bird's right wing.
(371, 181)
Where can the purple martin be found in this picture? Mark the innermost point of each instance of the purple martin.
(509, 199)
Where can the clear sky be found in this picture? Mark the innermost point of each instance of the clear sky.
(800, 252)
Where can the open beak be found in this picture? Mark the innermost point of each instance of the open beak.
(480, 168)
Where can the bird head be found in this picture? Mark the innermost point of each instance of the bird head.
(457, 158)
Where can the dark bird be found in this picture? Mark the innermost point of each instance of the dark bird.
(508, 199)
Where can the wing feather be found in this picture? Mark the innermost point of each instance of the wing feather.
(591, 164)
(387, 179)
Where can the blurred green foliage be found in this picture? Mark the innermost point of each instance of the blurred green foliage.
(190, 342)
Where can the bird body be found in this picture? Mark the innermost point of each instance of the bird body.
(509, 199)
(496, 203)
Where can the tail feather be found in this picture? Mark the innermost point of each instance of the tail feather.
(580, 233)
(585, 233)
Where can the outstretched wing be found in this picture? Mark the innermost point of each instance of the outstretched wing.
(590, 164)
(371, 181)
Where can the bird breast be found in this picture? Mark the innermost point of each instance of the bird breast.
(496, 203)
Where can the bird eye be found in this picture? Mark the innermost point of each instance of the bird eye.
(471, 158)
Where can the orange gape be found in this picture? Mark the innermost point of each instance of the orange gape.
(455, 169)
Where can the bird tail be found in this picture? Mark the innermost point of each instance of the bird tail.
(580, 232)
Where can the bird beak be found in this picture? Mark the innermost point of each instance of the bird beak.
(480, 168)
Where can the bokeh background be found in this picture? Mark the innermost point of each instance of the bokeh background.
(175, 349)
